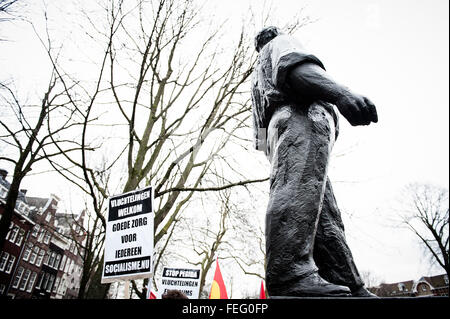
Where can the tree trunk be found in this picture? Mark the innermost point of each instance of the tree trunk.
(97, 290)
(10, 205)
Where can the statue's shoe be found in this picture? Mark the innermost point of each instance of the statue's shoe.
(363, 292)
(315, 286)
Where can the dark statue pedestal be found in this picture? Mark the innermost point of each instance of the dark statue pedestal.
(311, 298)
(405, 299)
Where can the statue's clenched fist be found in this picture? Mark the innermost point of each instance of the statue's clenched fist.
(357, 109)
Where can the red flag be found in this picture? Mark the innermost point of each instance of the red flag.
(218, 290)
(152, 295)
(262, 292)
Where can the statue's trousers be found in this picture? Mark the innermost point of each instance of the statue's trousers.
(304, 230)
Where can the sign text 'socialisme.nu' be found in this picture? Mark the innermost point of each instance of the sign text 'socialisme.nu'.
(129, 236)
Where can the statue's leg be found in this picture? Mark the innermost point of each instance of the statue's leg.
(299, 148)
(331, 252)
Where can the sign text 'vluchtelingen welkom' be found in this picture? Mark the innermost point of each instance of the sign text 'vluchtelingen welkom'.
(129, 236)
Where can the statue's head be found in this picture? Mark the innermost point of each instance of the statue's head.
(265, 35)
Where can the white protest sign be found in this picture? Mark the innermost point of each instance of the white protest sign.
(185, 280)
(129, 236)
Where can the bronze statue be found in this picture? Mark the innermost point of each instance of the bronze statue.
(295, 124)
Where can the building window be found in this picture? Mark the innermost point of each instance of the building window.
(41, 235)
(31, 282)
(2, 289)
(26, 210)
(51, 260)
(61, 289)
(3, 192)
(9, 264)
(71, 267)
(446, 279)
(40, 258)
(61, 267)
(35, 232)
(18, 277)
(50, 283)
(47, 255)
(45, 258)
(25, 278)
(34, 254)
(47, 237)
(27, 251)
(424, 288)
(47, 218)
(20, 206)
(3, 259)
(13, 234)
(57, 260)
(55, 287)
(66, 270)
(20, 237)
(40, 279)
(45, 281)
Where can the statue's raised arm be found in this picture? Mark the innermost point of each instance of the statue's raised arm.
(318, 85)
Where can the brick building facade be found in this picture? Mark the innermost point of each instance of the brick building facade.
(41, 258)
(425, 286)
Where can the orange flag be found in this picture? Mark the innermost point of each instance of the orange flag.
(262, 292)
(218, 290)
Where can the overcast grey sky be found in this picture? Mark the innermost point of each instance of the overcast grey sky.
(394, 52)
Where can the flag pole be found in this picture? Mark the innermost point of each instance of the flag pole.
(148, 286)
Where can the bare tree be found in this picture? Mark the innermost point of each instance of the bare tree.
(169, 95)
(9, 11)
(55, 132)
(31, 133)
(370, 279)
(208, 247)
(7, 8)
(426, 215)
(233, 233)
(178, 113)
